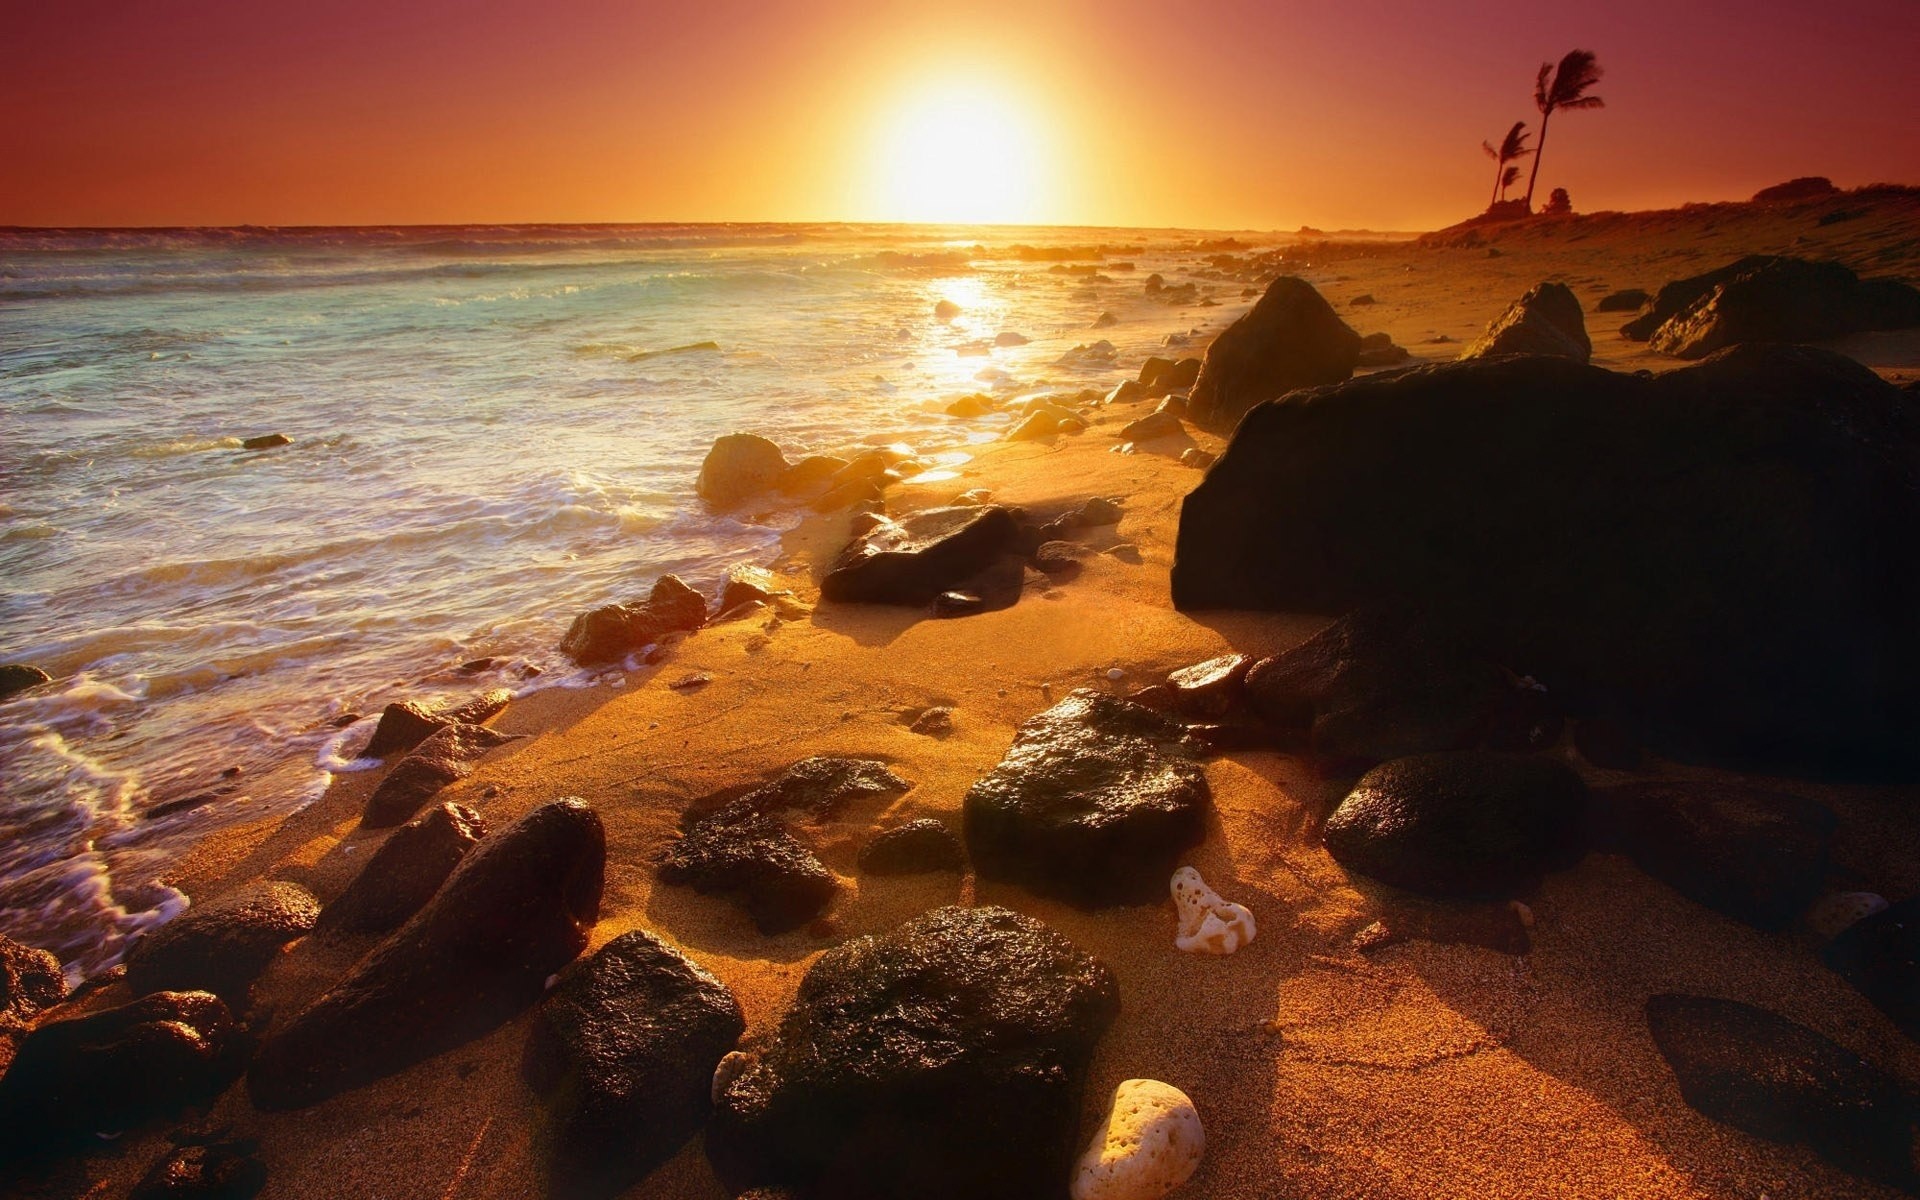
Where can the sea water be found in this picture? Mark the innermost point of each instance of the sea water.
(493, 429)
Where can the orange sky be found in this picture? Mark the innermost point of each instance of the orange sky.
(1251, 113)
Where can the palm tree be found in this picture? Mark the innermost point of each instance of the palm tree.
(1562, 87)
(1506, 180)
(1513, 147)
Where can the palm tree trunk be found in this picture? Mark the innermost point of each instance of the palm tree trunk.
(1499, 170)
(1539, 149)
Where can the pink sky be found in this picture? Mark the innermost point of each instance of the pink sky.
(1217, 113)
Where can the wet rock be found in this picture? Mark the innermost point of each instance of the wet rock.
(1719, 550)
(1153, 425)
(822, 785)
(18, 677)
(1150, 1143)
(747, 584)
(405, 725)
(1758, 856)
(946, 310)
(611, 632)
(624, 1050)
(116, 1069)
(1627, 300)
(266, 441)
(1470, 825)
(1377, 685)
(1778, 1080)
(447, 756)
(738, 466)
(1291, 338)
(1211, 689)
(1547, 320)
(1783, 300)
(217, 1170)
(751, 857)
(1094, 802)
(923, 554)
(30, 980)
(958, 604)
(405, 871)
(516, 909)
(1039, 425)
(811, 473)
(912, 849)
(1162, 375)
(1880, 956)
(944, 1060)
(222, 946)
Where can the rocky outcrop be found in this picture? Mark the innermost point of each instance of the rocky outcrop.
(1758, 856)
(221, 947)
(913, 849)
(18, 677)
(445, 757)
(30, 980)
(624, 1050)
(738, 466)
(1291, 338)
(912, 560)
(1721, 550)
(405, 871)
(1766, 298)
(116, 1069)
(944, 1060)
(752, 857)
(1150, 1143)
(1473, 825)
(516, 909)
(613, 631)
(1094, 802)
(405, 725)
(1547, 320)
(1880, 955)
(1776, 1079)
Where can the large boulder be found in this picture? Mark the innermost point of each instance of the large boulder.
(515, 910)
(1880, 955)
(624, 1050)
(405, 871)
(1094, 802)
(1776, 1079)
(613, 631)
(745, 854)
(1291, 338)
(112, 1070)
(1474, 824)
(1547, 320)
(738, 466)
(914, 559)
(221, 947)
(944, 1060)
(1767, 298)
(1724, 551)
(1756, 855)
(445, 757)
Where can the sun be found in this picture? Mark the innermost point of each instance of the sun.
(964, 153)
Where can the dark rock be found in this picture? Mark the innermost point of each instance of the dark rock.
(1105, 320)
(30, 980)
(266, 441)
(1776, 1079)
(1173, 406)
(516, 909)
(18, 677)
(1162, 375)
(1094, 802)
(920, 556)
(1362, 301)
(912, 849)
(1211, 689)
(1782, 300)
(1627, 300)
(935, 722)
(1547, 320)
(751, 856)
(1880, 955)
(1377, 685)
(115, 1069)
(218, 1170)
(944, 1060)
(1806, 187)
(738, 466)
(747, 584)
(1099, 510)
(447, 756)
(405, 871)
(611, 632)
(1474, 825)
(1195, 457)
(822, 785)
(221, 947)
(946, 310)
(1383, 354)
(1722, 551)
(958, 604)
(1061, 560)
(862, 524)
(624, 1050)
(1153, 425)
(1291, 338)
(404, 726)
(1759, 856)
(1608, 742)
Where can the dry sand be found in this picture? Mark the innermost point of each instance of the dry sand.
(1418, 1071)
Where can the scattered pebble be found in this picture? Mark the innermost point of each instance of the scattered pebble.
(1149, 1145)
(1116, 674)
(1208, 923)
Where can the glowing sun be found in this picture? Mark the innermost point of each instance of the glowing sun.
(961, 153)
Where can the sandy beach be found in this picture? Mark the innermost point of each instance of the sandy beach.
(1322, 1068)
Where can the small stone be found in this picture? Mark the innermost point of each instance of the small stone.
(1153, 425)
(1208, 924)
(17, 677)
(1150, 1144)
(935, 722)
(1115, 674)
(728, 1069)
(266, 441)
(946, 310)
(957, 604)
(1100, 510)
(691, 682)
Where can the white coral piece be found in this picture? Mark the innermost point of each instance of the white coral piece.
(1150, 1144)
(1208, 924)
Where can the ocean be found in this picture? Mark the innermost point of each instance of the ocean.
(492, 430)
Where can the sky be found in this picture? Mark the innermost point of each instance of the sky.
(1219, 114)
